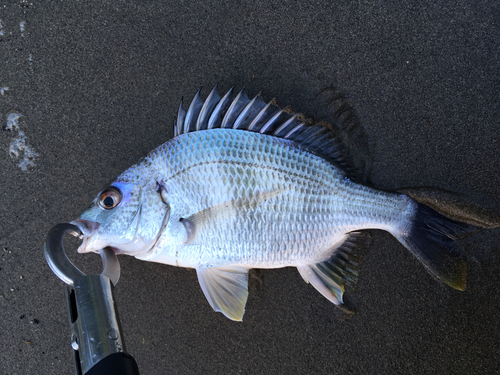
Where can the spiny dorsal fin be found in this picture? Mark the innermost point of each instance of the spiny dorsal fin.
(257, 116)
(207, 109)
(331, 276)
(193, 113)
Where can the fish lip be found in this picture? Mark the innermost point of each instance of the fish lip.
(88, 229)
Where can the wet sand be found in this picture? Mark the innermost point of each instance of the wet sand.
(97, 87)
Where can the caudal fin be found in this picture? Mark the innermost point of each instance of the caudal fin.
(431, 239)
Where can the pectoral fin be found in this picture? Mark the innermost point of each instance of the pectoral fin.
(226, 289)
(195, 223)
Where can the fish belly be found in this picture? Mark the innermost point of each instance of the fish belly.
(261, 202)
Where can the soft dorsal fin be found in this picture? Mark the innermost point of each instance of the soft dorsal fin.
(257, 116)
(330, 276)
(226, 289)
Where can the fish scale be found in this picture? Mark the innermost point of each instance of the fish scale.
(246, 185)
(314, 198)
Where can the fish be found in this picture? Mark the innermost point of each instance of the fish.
(245, 184)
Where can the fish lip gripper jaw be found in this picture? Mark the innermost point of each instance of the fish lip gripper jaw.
(96, 337)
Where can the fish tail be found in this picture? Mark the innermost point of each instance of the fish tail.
(431, 238)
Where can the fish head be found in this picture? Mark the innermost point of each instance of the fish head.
(126, 216)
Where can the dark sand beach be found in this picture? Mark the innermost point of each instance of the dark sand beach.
(97, 86)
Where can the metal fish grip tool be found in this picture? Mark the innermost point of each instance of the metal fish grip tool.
(96, 338)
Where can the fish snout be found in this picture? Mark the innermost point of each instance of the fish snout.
(89, 230)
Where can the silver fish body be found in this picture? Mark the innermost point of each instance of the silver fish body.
(244, 185)
(265, 202)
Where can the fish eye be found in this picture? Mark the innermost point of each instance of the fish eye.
(110, 198)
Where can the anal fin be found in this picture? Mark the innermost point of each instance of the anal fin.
(330, 276)
(226, 289)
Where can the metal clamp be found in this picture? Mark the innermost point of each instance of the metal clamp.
(63, 268)
(95, 331)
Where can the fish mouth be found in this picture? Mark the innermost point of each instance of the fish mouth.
(88, 229)
(93, 243)
(135, 245)
(90, 242)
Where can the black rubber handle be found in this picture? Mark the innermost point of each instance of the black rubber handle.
(115, 364)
